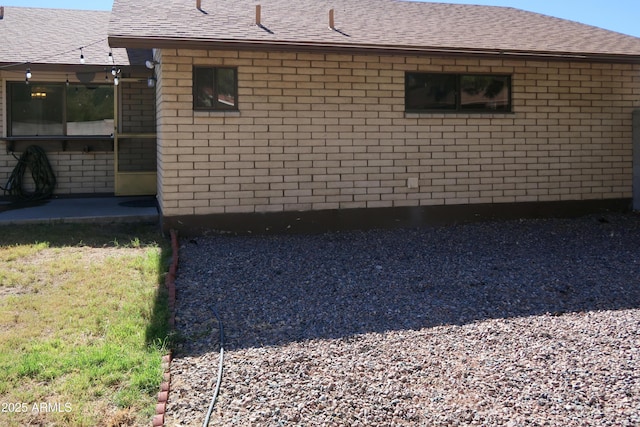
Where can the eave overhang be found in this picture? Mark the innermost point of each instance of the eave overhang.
(116, 41)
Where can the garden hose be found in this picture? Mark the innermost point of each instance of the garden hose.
(33, 158)
(220, 366)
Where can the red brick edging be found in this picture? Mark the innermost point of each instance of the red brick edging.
(170, 283)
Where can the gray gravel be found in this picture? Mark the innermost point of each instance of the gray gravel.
(517, 323)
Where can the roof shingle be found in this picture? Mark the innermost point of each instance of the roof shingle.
(55, 36)
(377, 24)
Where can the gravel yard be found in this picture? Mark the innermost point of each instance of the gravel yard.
(516, 323)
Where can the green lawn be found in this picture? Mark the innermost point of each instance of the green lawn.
(83, 323)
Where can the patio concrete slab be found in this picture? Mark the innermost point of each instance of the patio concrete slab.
(86, 209)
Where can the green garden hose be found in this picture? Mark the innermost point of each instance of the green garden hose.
(33, 158)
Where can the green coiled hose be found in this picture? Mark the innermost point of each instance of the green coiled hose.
(35, 159)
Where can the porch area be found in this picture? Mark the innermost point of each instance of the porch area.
(80, 209)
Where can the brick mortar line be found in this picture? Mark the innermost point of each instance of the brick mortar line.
(170, 283)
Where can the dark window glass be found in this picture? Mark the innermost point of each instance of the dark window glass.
(203, 84)
(215, 88)
(483, 92)
(457, 92)
(430, 92)
(36, 109)
(89, 110)
(54, 109)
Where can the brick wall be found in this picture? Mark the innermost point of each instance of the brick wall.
(326, 131)
(162, 112)
(138, 108)
(82, 173)
(76, 173)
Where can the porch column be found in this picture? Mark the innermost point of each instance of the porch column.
(636, 160)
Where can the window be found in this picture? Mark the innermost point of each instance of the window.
(485, 93)
(55, 109)
(457, 92)
(215, 88)
(90, 110)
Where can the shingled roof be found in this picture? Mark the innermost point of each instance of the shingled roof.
(363, 24)
(55, 36)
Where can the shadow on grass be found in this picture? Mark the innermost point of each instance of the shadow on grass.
(158, 330)
(112, 235)
(271, 290)
(93, 235)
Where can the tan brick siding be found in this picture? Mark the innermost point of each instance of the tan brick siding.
(82, 173)
(328, 131)
(76, 173)
(160, 101)
(137, 108)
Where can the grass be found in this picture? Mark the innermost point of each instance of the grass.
(83, 324)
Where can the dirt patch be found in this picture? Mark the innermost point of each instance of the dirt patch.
(122, 418)
(14, 290)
